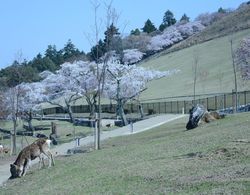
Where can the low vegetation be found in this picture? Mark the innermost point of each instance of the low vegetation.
(211, 159)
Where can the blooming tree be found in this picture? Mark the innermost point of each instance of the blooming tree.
(190, 28)
(242, 58)
(131, 56)
(169, 37)
(123, 83)
(174, 34)
(61, 89)
(71, 82)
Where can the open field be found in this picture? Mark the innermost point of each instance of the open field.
(166, 160)
(215, 70)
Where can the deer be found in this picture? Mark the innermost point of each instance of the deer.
(38, 148)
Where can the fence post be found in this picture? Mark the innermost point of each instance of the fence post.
(215, 102)
(184, 106)
(225, 101)
(177, 107)
(171, 106)
(245, 97)
(159, 107)
(165, 103)
(207, 103)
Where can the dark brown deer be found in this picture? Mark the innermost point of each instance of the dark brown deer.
(29, 153)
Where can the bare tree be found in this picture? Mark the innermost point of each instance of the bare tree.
(195, 72)
(235, 77)
(111, 18)
(12, 99)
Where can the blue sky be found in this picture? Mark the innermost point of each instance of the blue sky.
(29, 26)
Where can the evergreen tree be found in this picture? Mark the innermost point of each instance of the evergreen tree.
(135, 32)
(97, 51)
(54, 55)
(43, 63)
(168, 20)
(162, 27)
(148, 27)
(69, 51)
(221, 10)
(110, 33)
(184, 18)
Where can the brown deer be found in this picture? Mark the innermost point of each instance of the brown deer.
(29, 153)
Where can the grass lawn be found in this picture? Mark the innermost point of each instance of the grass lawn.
(164, 160)
(66, 132)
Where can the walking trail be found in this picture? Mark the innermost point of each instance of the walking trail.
(126, 130)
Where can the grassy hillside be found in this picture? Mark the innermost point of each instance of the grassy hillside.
(215, 72)
(165, 160)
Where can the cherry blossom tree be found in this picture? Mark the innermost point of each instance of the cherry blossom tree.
(174, 34)
(61, 89)
(123, 83)
(242, 58)
(30, 101)
(190, 28)
(131, 56)
(169, 37)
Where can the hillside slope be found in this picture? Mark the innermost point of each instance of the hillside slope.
(215, 70)
(166, 160)
(234, 22)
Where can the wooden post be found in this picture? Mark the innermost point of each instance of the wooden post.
(54, 128)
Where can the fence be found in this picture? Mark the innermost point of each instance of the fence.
(216, 102)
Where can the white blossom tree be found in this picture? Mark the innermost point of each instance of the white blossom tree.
(123, 83)
(131, 56)
(61, 89)
(190, 28)
(174, 34)
(32, 96)
(169, 37)
(242, 58)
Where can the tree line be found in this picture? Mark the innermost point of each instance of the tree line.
(147, 40)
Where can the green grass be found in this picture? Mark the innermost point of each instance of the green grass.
(214, 58)
(164, 160)
(63, 128)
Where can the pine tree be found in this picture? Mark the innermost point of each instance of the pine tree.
(148, 27)
(168, 20)
(135, 32)
(184, 18)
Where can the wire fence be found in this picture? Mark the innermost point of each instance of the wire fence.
(161, 105)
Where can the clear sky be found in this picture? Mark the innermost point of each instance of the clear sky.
(29, 26)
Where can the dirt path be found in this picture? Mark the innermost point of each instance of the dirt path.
(129, 129)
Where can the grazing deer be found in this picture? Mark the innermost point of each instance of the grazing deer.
(29, 153)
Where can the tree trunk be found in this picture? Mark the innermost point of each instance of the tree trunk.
(122, 114)
(141, 110)
(69, 111)
(31, 128)
(13, 138)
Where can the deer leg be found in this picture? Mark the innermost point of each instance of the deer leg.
(25, 167)
(50, 157)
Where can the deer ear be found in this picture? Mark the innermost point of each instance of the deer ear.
(12, 165)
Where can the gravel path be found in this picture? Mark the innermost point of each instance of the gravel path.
(137, 127)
